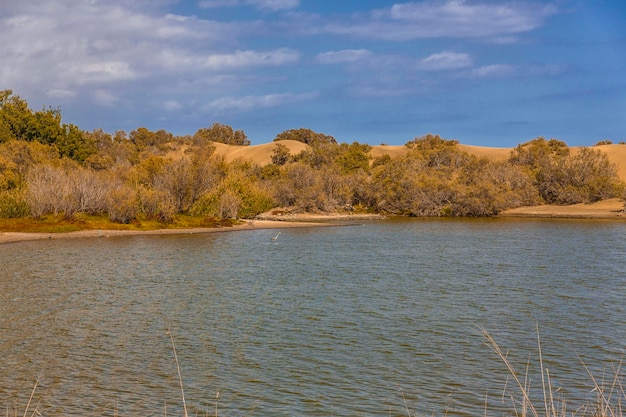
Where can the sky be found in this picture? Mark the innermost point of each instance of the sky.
(483, 72)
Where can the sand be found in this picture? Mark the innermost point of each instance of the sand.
(606, 209)
(12, 237)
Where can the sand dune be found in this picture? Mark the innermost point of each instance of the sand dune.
(259, 154)
(262, 154)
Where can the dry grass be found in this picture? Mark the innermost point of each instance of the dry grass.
(609, 394)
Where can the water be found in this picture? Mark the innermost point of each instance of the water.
(367, 319)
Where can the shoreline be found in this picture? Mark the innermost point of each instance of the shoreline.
(14, 237)
(612, 209)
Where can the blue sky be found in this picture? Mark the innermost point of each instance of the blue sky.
(484, 72)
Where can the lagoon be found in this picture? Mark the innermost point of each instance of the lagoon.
(368, 319)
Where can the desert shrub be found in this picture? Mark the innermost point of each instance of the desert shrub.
(65, 188)
(563, 177)
(438, 153)
(500, 184)
(155, 205)
(236, 196)
(593, 176)
(353, 157)
(280, 154)
(24, 155)
(122, 204)
(13, 204)
(318, 154)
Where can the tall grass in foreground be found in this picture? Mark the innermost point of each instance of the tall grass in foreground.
(609, 394)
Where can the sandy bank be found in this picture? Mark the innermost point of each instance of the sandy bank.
(11, 237)
(606, 209)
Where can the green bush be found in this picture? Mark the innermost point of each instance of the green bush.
(13, 204)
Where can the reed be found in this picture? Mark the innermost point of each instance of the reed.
(609, 394)
(27, 410)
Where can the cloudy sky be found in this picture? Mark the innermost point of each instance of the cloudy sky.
(485, 72)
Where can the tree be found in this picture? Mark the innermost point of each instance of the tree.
(305, 135)
(280, 154)
(143, 137)
(75, 144)
(353, 158)
(15, 117)
(437, 152)
(222, 134)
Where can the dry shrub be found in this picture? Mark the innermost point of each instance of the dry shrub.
(122, 204)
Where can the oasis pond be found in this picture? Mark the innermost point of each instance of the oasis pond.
(364, 319)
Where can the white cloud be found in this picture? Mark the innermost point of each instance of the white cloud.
(241, 59)
(516, 71)
(257, 102)
(60, 93)
(344, 56)
(64, 46)
(265, 5)
(447, 19)
(494, 71)
(104, 98)
(172, 105)
(445, 61)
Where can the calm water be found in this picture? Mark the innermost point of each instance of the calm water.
(341, 321)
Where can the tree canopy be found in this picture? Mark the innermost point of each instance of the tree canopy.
(306, 136)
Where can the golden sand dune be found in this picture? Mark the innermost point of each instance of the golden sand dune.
(259, 154)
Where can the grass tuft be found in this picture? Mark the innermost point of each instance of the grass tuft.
(608, 402)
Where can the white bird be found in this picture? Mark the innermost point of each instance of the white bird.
(275, 238)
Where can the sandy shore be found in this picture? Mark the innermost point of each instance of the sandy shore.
(11, 237)
(606, 209)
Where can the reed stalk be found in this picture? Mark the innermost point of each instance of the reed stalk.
(608, 402)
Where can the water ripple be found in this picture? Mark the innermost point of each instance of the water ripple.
(331, 321)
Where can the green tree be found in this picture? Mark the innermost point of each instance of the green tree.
(15, 117)
(353, 157)
(75, 144)
(221, 133)
(143, 138)
(305, 135)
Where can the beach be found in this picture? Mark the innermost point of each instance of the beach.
(12, 237)
(606, 209)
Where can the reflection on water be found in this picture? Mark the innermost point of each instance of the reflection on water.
(332, 321)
